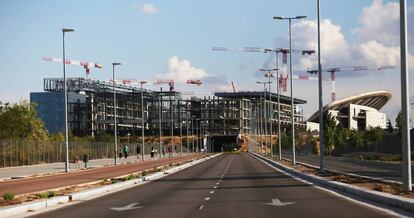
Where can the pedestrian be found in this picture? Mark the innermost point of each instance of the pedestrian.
(119, 152)
(152, 152)
(126, 150)
(138, 150)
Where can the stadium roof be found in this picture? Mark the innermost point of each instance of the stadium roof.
(376, 100)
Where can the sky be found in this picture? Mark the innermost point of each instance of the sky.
(174, 40)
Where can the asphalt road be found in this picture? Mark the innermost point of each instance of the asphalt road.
(383, 170)
(231, 185)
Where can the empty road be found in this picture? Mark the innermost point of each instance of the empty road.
(230, 185)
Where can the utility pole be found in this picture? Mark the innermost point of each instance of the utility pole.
(160, 123)
(269, 75)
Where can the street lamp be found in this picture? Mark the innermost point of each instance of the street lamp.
(192, 131)
(64, 30)
(115, 132)
(291, 79)
(269, 75)
(264, 112)
(142, 119)
(405, 109)
(321, 142)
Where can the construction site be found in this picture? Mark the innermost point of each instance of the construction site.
(212, 121)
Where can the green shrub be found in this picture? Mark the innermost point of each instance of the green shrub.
(42, 195)
(113, 180)
(144, 173)
(51, 194)
(8, 196)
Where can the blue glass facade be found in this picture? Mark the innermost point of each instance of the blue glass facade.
(50, 107)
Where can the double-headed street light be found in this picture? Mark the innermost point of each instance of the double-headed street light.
(115, 131)
(142, 119)
(291, 79)
(64, 30)
(269, 75)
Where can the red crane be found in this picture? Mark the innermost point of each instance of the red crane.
(333, 71)
(84, 64)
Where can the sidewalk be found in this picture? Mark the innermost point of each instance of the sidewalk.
(41, 183)
(33, 170)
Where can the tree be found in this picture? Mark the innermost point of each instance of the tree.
(356, 138)
(21, 121)
(329, 132)
(374, 136)
(398, 123)
(389, 127)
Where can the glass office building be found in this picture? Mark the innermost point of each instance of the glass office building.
(50, 108)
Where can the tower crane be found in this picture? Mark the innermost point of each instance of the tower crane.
(285, 51)
(84, 64)
(333, 71)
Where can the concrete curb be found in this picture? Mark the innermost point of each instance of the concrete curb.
(22, 208)
(379, 197)
(90, 193)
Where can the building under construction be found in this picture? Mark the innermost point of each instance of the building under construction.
(166, 113)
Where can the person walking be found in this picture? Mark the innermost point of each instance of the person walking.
(152, 152)
(126, 150)
(138, 151)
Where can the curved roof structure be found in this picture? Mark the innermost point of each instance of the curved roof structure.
(376, 100)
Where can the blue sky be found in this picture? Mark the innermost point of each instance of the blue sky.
(122, 31)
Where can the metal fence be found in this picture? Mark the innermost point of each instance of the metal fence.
(15, 153)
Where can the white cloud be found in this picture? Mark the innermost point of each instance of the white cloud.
(380, 22)
(181, 71)
(149, 9)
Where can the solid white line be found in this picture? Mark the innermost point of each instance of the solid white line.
(207, 198)
(387, 210)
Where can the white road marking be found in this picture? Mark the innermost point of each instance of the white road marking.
(127, 207)
(217, 183)
(201, 207)
(228, 166)
(220, 180)
(276, 202)
(215, 187)
(207, 198)
(211, 192)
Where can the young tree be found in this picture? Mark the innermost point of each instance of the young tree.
(21, 121)
(398, 123)
(390, 129)
(329, 132)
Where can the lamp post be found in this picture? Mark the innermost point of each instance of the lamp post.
(64, 30)
(186, 125)
(291, 79)
(181, 128)
(192, 131)
(142, 119)
(405, 110)
(321, 142)
(160, 123)
(269, 75)
(264, 113)
(115, 131)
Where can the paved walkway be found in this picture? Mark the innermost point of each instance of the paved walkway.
(42, 183)
(33, 170)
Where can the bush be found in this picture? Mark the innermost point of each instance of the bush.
(144, 173)
(42, 195)
(8, 196)
(51, 194)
